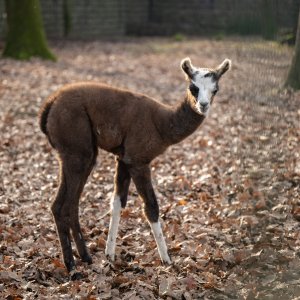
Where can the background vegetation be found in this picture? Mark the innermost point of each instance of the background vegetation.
(229, 194)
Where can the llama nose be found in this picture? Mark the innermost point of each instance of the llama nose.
(203, 106)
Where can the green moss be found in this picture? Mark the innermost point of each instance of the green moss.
(25, 36)
(178, 37)
(220, 36)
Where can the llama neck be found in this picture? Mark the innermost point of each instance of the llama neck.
(182, 122)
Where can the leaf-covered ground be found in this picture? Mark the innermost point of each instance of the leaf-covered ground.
(229, 194)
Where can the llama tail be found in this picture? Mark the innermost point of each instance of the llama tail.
(44, 116)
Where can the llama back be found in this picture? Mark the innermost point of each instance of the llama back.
(110, 112)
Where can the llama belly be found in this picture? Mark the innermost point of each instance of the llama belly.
(142, 152)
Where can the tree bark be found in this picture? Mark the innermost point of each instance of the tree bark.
(293, 79)
(25, 36)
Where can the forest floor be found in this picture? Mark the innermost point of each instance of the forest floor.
(229, 194)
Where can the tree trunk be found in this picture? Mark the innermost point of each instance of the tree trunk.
(293, 79)
(25, 36)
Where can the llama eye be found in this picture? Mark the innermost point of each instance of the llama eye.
(194, 90)
(214, 92)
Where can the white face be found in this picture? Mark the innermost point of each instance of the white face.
(203, 83)
(207, 84)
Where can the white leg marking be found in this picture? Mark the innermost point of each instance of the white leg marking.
(113, 227)
(160, 242)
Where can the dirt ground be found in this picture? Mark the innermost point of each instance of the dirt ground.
(229, 194)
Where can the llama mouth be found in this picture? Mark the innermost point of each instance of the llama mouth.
(202, 110)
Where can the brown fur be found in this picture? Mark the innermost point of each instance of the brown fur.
(80, 118)
(133, 126)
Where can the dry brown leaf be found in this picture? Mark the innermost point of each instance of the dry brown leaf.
(58, 263)
(228, 194)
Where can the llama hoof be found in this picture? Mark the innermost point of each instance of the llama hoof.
(167, 261)
(110, 258)
(74, 275)
(110, 255)
(87, 258)
(70, 265)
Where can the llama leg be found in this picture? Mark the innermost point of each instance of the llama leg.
(160, 242)
(115, 206)
(75, 225)
(78, 238)
(62, 224)
(65, 206)
(142, 179)
(118, 201)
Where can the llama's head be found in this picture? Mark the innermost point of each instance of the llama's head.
(203, 83)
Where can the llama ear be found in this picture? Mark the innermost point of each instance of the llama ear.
(187, 67)
(223, 67)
